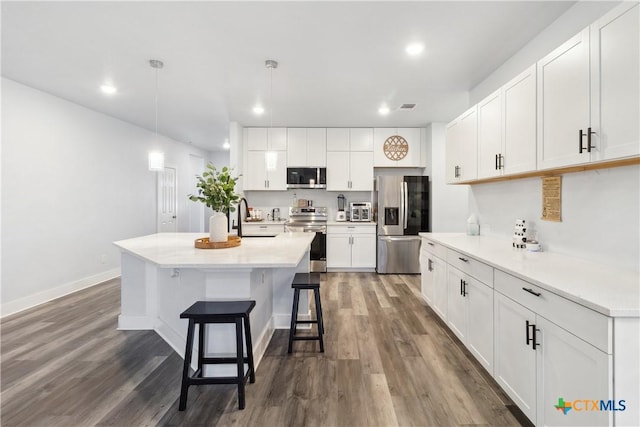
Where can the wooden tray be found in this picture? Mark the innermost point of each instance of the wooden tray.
(204, 243)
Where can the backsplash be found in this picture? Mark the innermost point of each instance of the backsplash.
(267, 200)
(600, 211)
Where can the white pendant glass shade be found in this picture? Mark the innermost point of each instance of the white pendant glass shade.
(156, 161)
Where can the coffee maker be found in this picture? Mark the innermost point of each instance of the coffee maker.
(341, 215)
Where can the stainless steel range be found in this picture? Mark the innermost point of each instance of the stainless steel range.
(312, 220)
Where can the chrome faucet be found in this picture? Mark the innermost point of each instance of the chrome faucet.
(246, 205)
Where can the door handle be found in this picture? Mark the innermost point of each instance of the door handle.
(464, 288)
(589, 133)
(429, 264)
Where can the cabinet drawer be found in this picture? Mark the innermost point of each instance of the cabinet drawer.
(262, 229)
(434, 248)
(472, 267)
(351, 229)
(581, 321)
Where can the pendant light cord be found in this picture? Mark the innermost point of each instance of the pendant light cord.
(271, 96)
(156, 104)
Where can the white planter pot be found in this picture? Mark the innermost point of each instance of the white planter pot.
(218, 227)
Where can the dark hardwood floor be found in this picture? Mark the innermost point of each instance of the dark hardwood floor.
(388, 361)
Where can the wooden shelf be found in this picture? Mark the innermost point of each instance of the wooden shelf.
(556, 171)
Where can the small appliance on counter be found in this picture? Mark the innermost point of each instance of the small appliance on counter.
(361, 212)
(275, 214)
(341, 215)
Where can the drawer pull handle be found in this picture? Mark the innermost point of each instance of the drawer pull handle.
(263, 226)
(430, 244)
(463, 259)
(531, 291)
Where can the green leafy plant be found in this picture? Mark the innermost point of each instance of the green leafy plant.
(216, 189)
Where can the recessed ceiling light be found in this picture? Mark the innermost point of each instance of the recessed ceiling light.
(258, 109)
(108, 89)
(384, 110)
(226, 144)
(414, 49)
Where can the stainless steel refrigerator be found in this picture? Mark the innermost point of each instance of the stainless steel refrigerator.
(403, 212)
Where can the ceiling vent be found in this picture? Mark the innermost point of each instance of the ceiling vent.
(407, 106)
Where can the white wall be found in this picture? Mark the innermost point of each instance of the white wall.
(600, 214)
(562, 29)
(449, 203)
(73, 181)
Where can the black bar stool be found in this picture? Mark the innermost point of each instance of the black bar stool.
(307, 281)
(203, 313)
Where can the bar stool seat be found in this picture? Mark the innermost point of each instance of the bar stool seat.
(206, 312)
(306, 281)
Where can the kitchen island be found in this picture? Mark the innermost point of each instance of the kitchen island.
(163, 274)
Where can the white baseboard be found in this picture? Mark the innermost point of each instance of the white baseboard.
(135, 323)
(30, 301)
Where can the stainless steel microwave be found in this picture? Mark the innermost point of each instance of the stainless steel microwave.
(307, 177)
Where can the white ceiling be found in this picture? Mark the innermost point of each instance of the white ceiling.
(339, 61)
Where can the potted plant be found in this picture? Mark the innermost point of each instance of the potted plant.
(216, 190)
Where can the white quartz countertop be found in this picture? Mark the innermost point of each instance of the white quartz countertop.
(608, 290)
(176, 250)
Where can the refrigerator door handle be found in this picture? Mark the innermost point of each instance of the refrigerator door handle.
(401, 213)
(405, 208)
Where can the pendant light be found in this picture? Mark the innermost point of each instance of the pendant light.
(156, 158)
(271, 157)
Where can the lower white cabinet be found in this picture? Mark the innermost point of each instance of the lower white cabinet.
(433, 278)
(539, 347)
(470, 314)
(537, 363)
(351, 247)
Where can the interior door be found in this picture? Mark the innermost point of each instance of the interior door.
(167, 201)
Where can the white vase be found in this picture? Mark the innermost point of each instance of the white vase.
(218, 227)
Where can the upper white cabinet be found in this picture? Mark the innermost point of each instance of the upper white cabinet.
(338, 139)
(615, 85)
(490, 136)
(360, 139)
(589, 93)
(414, 145)
(462, 147)
(563, 104)
(350, 159)
(507, 128)
(345, 139)
(306, 147)
(350, 171)
(266, 139)
(519, 124)
(265, 159)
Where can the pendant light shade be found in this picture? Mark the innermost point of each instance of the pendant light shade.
(156, 159)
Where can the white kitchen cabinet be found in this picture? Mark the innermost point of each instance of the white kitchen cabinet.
(539, 360)
(361, 139)
(265, 170)
(563, 104)
(490, 135)
(306, 147)
(519, 124)
(615, 83)
(462, 149)
(413, 136)
(456, 304)
(263, 139)
(351, 247)
(507, 128)
(434, 276)
(470, 314)
(338, 139)
(349, 171)
(568, 366)
(515, 359)
(262, 229)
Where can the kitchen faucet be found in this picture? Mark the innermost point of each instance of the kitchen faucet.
(246, 205)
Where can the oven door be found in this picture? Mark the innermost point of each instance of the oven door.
(319, 252)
